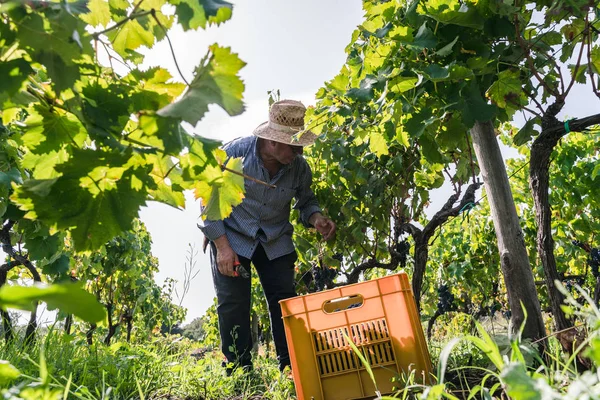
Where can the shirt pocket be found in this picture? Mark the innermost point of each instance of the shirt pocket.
(282, 197)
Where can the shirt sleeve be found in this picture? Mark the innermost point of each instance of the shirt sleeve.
(214, 229)
(306, 202)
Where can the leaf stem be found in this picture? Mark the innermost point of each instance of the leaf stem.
(248, 177)
(133, 16)
(153, 13)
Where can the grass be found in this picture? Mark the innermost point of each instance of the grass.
(469, 366)
(62, 366)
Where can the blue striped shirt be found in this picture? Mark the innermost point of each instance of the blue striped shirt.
(263, 217)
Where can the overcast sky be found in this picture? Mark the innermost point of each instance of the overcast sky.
(293, 46)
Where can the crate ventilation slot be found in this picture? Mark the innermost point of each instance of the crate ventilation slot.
(334, 354)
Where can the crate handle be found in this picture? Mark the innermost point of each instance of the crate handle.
(343, 303)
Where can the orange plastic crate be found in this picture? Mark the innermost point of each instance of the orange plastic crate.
(379, 316)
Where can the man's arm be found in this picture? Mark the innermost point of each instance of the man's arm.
(310, 212)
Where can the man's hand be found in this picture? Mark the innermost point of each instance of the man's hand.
(323, 225)
(226, 257)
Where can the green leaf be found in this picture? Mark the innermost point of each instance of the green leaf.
(474, 107)
(218, 11)
(436, 73)
(165, 194)
(453, 12)
(425, 39)
(595, 59)
(220, 191)
(63, 75)
(41, 35)
(43, 165)
(67, 297)
(458, 72)
(417, 123)
(58, 267)
(194, 14)
(365, 91)
(519, 385)
(12, 175)
(8, 372)
(106, 109)
(158, 80)
(216, 82)
(378, 144)
(340, 82)
(99, 13)
(105, 191)
(430, 149)
(526, 132)
(161, 132)
(596, 172)
(48, 130)
(507, 91)
(403, 84)
(42, 246)
(13, 74)
(447, 49)
(130, 36)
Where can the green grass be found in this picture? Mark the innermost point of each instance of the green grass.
(60, 366)
(468, 365)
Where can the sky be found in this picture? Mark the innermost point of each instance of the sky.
(293, 46)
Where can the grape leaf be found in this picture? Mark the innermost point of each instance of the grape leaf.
(39, 34)
(104, 192)
(474, 107)
(70, 298)
(167, 131)
(48, 130)
(41, 247)
(453, 12)
(63, 75)
(216, 82)
(220, 191)
(58, 267)
(425, 39)
(447, 49)
(365, 91)
(378, 144)
(595, 59)
(402, 84)
(157, 80)
(99, 13)
(130, 36)
(13, 73)
(43, 165)
(526, 132)
(194, 14)
(507, 91)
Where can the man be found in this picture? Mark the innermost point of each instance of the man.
(258, 231)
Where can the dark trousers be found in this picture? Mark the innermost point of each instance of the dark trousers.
(234, 304)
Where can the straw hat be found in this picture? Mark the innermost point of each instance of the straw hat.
(286, 119)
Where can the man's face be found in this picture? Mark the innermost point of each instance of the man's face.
(285, 153)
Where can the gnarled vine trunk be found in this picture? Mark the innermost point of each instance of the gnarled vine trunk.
(422, 237)
(539, 182)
